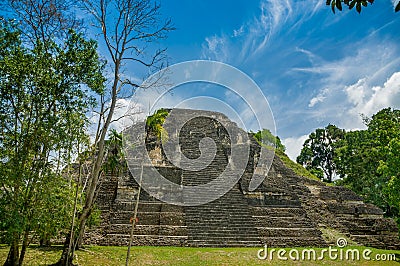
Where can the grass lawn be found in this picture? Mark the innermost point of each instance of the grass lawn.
(96, 255)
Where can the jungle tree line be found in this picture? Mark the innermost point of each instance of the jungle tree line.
(366, 161)
(44, 98)
(51, 77)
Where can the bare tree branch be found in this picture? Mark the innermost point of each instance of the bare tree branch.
(43, 19)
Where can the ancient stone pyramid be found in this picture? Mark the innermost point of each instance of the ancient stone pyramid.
(285, 210)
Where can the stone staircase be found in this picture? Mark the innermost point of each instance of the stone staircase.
(364, 222)
(280, 219)
(225, 221)
(158, 223)
(286, 210)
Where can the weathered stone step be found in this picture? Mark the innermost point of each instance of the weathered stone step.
(206, 216)
(217, 230)
(144, 240)
(294, 241)
(147, 207)
(380, 224)
(368, 240)
(339, 208)
(217, 222)
(278, 206)
(288, 232)
(233, 232)
(278, 212)
(231, 237)
(227, 213)
(223, 243)
(166, 230)
(287, 222)
(218, 210)
(223, 239)
(165, 218)
(239, 198)
(219, 238)
(222, 204)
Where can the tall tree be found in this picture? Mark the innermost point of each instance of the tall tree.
(318, 151)
(357, 162)
(44, 100)
(126, 27)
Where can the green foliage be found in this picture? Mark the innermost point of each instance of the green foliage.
(358, 4)
(357, 160)
(318, 173)
(318, 152)
(265, 137)
(114, 162)
(44, 98)
(369, 161)
(390, 169)
(53, 208)
(94, 218)
(154, 123)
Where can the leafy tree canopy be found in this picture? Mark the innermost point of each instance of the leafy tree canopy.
(317, 154)
(44, 98)
(267, 138)
(369, 160)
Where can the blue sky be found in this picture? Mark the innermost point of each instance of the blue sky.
(314, 67)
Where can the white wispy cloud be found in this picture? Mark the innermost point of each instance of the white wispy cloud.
(274, 14)
(363, 61)
(319, 98)
(254, 36)
(312, 57)
(294, 145)
(361, 98)
(360, 83)
(216, 48)
(368, 100)
(238, 32)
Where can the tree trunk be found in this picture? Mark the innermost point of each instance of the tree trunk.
(24, 246)
(64, 259)
(79, 240)
(13, 254)
(95, 175)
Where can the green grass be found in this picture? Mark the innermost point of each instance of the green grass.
(96, 255)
